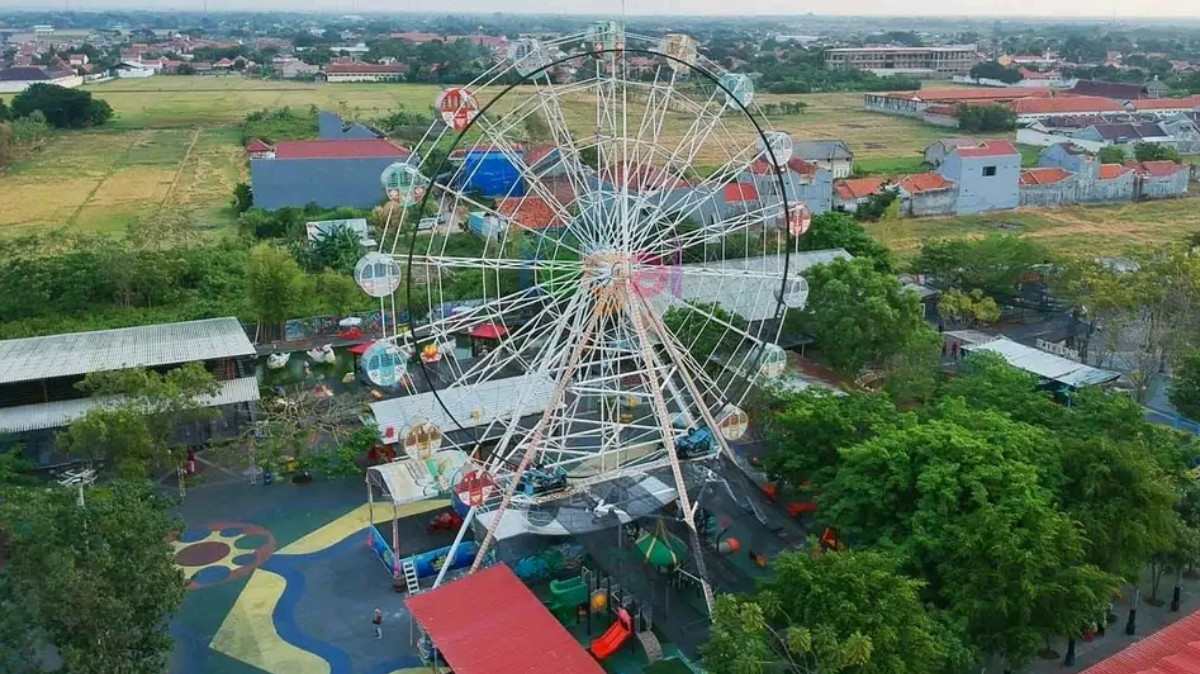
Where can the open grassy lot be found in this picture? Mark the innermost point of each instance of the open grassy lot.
(100, 181)
(1111, 229)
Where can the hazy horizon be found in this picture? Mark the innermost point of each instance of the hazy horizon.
(976, 9)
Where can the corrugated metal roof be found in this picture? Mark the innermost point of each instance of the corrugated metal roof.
(144, 346)
(1047, 365)
(751, 297)
(476, 405)
(490, 623)
(1174, 648)
(61, 413)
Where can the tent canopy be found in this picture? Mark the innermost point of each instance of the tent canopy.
(411, 480)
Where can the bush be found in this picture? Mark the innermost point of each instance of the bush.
(63, 108)
(977, 118)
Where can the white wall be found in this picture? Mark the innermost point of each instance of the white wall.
(135, 73)
(1041, 139)
(17, 87)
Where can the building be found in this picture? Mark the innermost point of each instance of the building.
(16, 79)
(416, 37)
(1114, 90)
(317, 230)
(1167, 107)
(1185, 132)
(1047, 186)
(1053, 371)
(935, 153)
(849, 194)
(803, 181)
(330, 126)
(987, 176)
(916, 61)
(1125, 135)
(363, 72)
(290, 67)
(331, 173)
(1034, 109)
(38, 377)
(832, 155)
(926, 194)
(1159, 179)
(915, 103)
(1093, 182)
(134, 70)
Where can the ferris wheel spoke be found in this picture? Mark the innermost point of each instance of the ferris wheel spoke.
(543, 236)
(492, 263)
(532, 182)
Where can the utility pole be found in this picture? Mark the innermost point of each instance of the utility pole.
(78, 479)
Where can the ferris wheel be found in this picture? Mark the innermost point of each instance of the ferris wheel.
(599, 230)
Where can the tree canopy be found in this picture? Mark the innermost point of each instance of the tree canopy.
(839, 230)
(995, 264)
(64, 108)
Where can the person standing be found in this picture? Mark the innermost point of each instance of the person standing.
(378, 622)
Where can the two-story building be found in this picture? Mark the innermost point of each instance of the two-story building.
(330, 173)
(804, 182)
(987, 176)
(832, 155)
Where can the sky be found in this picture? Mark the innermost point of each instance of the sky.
(1012, 8)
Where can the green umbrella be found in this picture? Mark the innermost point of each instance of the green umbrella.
(662, 549)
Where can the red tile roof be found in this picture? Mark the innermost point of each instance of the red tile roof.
(1174, 648)
(1044, 176)
(366, 68)
(969, 94)
(338, 149)
(531, 212)
(257, 145)
(1159, 169)
(1065, 104)
(856, 188)
(1112, 171)
(924, 182)
(736, 192)
(988, 148)
(1167, 103)
(795, 164)
(536, 153)
(490, 623)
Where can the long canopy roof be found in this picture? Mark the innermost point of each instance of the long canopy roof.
(80, 353)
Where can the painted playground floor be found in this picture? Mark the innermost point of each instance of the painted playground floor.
(283, 581)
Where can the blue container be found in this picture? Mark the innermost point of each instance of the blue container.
(430, 563)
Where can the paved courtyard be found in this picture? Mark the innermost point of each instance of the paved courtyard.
(283, 581)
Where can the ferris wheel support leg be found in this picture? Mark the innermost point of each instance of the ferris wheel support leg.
(462, 530)
(535, 441)
(664, 420)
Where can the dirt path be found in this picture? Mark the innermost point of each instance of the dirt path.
(187, 155)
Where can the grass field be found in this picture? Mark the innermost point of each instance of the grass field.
(1099, 230)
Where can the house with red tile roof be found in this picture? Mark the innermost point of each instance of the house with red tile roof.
(1047, 186)
(804, 181)
(1159, 179)
(331, 173)
(924, 194)
(1093, 182)
(531, 212)
(915, 103)
(850, 193)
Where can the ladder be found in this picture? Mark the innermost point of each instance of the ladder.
(410, 576)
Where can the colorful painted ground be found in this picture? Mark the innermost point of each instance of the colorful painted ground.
(282, 581)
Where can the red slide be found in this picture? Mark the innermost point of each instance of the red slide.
(616, 634)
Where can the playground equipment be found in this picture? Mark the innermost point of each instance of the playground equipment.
(322, 354)
(445, 522)
(662, 549)
(614, 637)
(566, 595)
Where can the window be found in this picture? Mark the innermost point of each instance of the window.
(989, 171)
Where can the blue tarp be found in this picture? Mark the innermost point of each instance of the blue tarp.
(492, 174)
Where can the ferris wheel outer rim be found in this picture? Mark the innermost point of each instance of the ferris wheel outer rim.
(780, 307)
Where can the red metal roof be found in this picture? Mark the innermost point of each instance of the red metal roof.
(490, 623)
(488, 331)
(257, 145)
(1189, 103)
(338, 149)
(968, 94)
(988, 148)
(1174, 648)
(1044, 176)
(736, 192)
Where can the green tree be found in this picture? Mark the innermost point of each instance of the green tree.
(838, 230)
(243, 198)
(277, 287)
(702, 327)
(992, 70)
(985, 118)
(339, 248)
(63, 108)
(986, 381)
(1185, 384)
(5, 115)
(339, 292)
(859, 317)
(1155, 152)
(969, 310)
(806, 433)
(996, 264)
(99, 581)
(135, 430)
(1112, 154)
(831, 612)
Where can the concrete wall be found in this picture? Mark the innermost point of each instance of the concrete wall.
(937, 202)
(17, 87)
(978, 192)
(1106, 191)
(1153, 187)
(1042, 139)
(1056, 194)
(329, 182)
